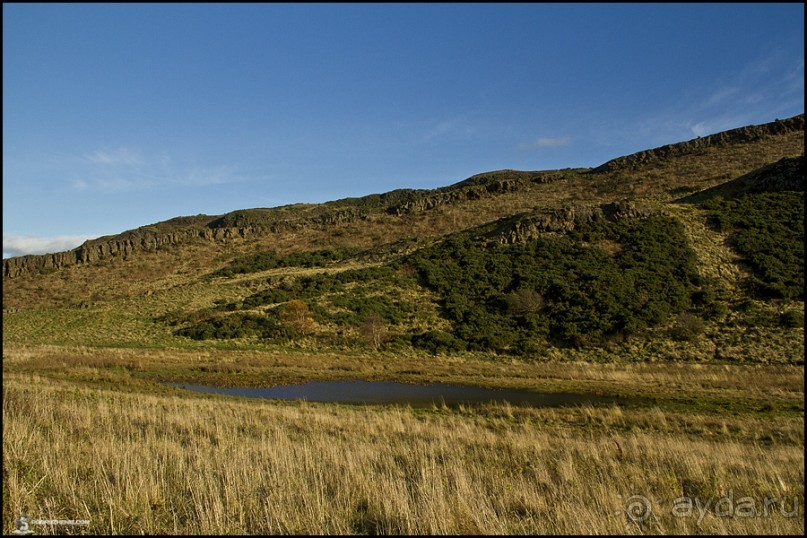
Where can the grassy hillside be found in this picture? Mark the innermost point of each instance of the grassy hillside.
(670, 282)
(604, 261)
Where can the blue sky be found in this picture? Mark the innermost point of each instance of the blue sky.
(121, 115)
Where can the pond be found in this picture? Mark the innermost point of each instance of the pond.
(384, 392)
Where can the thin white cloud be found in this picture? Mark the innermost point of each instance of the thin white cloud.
(701, 129)
(762, 66)
(20, 245)
(720, 96)
(545, 142)
(207, 176)
(121, 184)
(80, 185)
(768, 87)
(116, 157)
(717, 124)
(456, 127)
(794, 78)
(125, 170)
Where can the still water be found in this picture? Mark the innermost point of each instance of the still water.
(384, 392)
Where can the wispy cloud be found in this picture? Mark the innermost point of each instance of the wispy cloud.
(545, 142)
(216, 175)
(116, 157)
(126, 170)
(113, 184)
(768, 87)
(20, 245)
(456, 127)
(720, 95)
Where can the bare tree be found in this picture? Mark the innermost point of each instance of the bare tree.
(374, 330)
(297, 316)
(525, 301)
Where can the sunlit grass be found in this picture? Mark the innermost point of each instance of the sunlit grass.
(140, 463)
(88, 433)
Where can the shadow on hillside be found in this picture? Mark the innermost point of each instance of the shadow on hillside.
(784, 175)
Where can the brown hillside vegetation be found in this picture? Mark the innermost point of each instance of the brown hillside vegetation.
(134, 278)
(665, 289)
(694, 165)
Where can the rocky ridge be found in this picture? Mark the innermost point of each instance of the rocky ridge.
(256, 222)
(563, 220)
(786, 174)
(740, 135)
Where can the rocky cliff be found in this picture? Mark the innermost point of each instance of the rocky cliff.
(475, 188)
(253, 222)
(741, 135)
(563, 220)
(122, 245)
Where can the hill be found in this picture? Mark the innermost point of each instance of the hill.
(665, 253)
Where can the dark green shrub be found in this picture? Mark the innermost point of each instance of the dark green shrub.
(234, 326)
(560, 287)
(688, 326)
(361, 306)
(767, 229)
(792, 319)
(438, 342)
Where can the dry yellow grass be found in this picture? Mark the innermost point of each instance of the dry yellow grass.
(87, 434)
(140, 463)
(248, 367)
(716, 260)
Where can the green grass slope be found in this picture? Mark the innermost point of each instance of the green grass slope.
(609, 262)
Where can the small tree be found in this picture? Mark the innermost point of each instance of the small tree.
(374, 330)
(525, 301)
(297, 316)
(687, 327)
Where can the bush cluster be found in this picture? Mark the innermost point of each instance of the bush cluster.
(561, 288)
(237, 325)
(767, 229)
(558, 290)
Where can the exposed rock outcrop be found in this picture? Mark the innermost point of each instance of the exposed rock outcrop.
(122, 245)
(733, 136)
(564, 220)
(477, 187)
(254, 222)
(260, 221)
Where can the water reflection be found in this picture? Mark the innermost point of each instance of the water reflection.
(385, 392)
